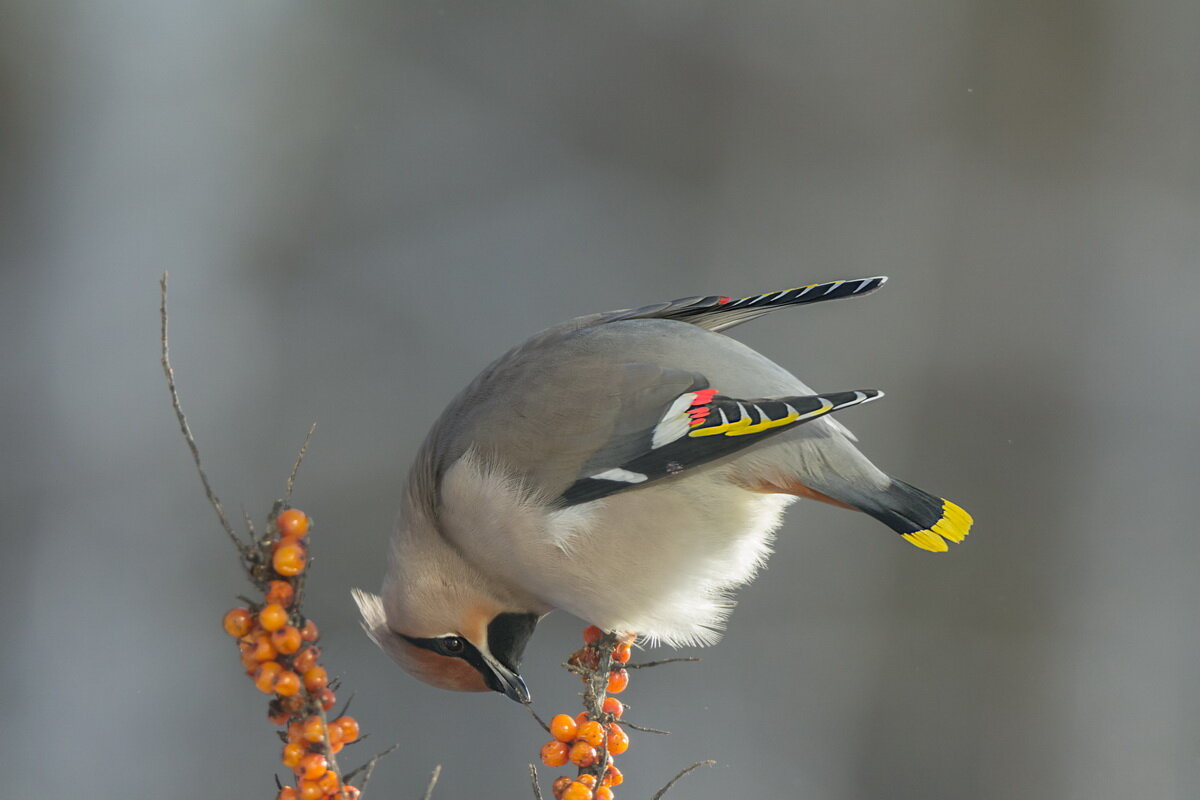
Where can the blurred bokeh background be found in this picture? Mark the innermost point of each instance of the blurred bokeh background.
(361, 204)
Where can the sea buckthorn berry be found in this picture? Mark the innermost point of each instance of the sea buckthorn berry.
(306, 659)
(286, 640)
(287, 684)
(313, 766)
(576, 791)
(292, 522)
(265, 675)
(592, 634)
(292, 753)
(329, 782)
(603, 793)
(591, 732)
(563, 728)
(582, 754)
(618, 739)
(315, 678)
(326, 698)
(238, 622)
(295, 731)
(560, 785)
(580, 718)
(314, 729)
(276, 713)
(272, 617)
(287, 793)
(309, 632)
(613, 706)
(311, 790)
(263, 650)
(554, 753)
(612, 776)
(350, 792)
(349, 728)
(290, 558)
(622, 652)
(587, 780)
(618, 679)
(281, 592)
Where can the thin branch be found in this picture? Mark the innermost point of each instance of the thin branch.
(540, 721)
(658, 795)
(648, 664)
(183, 424)
(629, 724)
(291, 481)
(367, 767)
(433, 779)
(533, 778)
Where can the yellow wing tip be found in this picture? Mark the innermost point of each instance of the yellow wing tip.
(954, 525)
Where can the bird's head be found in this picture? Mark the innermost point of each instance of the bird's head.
(445, 622)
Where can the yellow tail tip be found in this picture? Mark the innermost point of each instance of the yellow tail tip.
(954, 525)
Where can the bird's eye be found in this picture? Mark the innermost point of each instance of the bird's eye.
(452, 645)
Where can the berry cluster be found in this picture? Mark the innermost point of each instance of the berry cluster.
(590, 740)
(279, 653)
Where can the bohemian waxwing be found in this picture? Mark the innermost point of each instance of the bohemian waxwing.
(630, 468)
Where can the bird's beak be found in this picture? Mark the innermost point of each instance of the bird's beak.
(503, 679)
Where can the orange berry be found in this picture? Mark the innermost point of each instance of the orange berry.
(306, 659)
(581, 718)
(613, 706)
(587, 780)
(326, 698)
(309, 632)
(577, 791)
(314, 729)
(272, 617)
(265, 675)
(592, 634)
(591, 732)
(311, 790)
(287, 684)
(582, 754)
(329, 782)
(350, 792)
(287, 793)
(238, 622)
(290, 558)
(292, 753)
(612, 776)
(618, 739)
(295, 731)
(276, 713)
(563, 728)
(603, 793)
(560, 785)
(622, 652)
(292, 522)
(554, 753)
(286, 640)
(262, 649)
(349, 728)
(315, 678)
(313, 766)
(618, 679)
(281, 592)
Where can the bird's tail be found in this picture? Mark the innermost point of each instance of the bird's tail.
(717, 312)
(922, 519)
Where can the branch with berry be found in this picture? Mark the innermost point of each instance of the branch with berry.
(591, 739)
(277, 643)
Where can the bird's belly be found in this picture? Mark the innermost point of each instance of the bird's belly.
(662, 561)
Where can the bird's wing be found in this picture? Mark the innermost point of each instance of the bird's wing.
(696, 427)
(718, 312)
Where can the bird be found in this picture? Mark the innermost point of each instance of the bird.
(628, 467)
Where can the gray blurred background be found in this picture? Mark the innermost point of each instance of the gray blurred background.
(363, 203)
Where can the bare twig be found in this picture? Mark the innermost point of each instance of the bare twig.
(540, 721)
(533, 778)
(629, 724)
(287, 495)
(659, 663)
(367, 767)
(183, 424)
(658, 795)
(433, 779)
